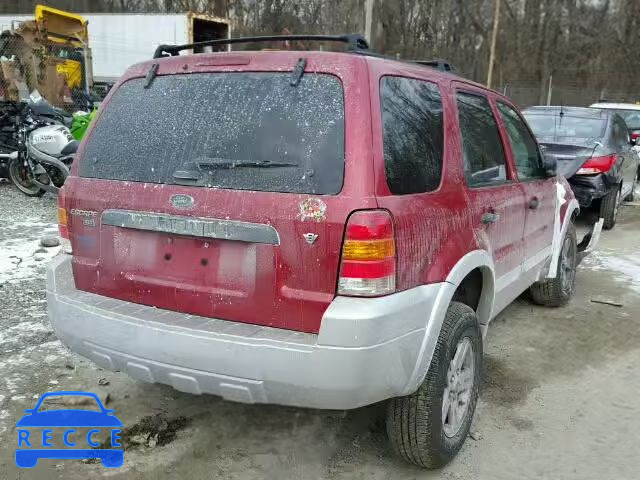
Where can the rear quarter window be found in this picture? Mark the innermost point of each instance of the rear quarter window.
(412, 134)
(247, 131)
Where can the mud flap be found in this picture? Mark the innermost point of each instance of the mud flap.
(590, 240)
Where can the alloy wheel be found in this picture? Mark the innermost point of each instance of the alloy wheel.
(457, 393)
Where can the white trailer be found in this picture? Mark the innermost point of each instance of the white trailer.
(117, 41)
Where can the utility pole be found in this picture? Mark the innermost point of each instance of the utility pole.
(494, 38)
(368, 20)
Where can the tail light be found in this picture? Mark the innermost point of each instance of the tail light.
(635, 136)
(597, 165)
(368, 266)
(63, 217)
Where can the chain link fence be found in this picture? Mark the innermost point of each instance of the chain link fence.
(526, 95)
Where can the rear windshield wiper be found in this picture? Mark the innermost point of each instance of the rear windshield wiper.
(204, 164)
(229, 163)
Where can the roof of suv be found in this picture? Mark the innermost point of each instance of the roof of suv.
(285, 57)
(357, 46)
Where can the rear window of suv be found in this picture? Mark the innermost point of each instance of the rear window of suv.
(246, 131)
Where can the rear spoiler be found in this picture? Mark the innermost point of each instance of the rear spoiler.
(438, 64)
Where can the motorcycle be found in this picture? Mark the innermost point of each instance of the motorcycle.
(41, 147)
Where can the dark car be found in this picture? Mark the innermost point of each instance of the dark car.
(593, 151)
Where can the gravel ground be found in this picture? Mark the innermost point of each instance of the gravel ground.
(25, 335)
(559, 399)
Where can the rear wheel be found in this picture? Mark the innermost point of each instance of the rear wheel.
(609, 207)
(22, 178)
(428, 427)
(555, 292)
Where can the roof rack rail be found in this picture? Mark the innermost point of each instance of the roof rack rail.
(355, 42)
(438, 64)
(442, 65)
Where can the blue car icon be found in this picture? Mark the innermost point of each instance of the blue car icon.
(68, 418)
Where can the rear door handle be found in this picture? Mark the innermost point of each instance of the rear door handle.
(534, 203)
(490, 217)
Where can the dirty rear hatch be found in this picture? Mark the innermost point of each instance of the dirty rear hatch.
(216, 194)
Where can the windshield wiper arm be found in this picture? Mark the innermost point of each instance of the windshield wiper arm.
(228, 163)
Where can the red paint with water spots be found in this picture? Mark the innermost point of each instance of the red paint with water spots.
(290, 285)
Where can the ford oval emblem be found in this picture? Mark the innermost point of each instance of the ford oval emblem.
(181, 200)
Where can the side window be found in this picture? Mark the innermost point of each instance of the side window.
(484, 159)
(620, 133)
(523, 145)
(412, 134)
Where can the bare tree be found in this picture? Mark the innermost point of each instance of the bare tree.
(583, 44)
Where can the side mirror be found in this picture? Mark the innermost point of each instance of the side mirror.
(550, 164)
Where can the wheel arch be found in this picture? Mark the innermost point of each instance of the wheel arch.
(477, 260)
(474, 261)
(570, 213)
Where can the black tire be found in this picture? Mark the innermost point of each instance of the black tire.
(609, 206)
(556, 292)
(414, 423)
(21, 182)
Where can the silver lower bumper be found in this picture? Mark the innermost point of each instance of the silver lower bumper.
(366, 350)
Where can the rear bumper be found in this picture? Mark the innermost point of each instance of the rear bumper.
(366, 350)
(588, 188)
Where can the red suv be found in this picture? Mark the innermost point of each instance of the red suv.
(310, 228)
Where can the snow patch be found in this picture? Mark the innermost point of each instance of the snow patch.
(18, 257)
(16, 333)
(54, 350)
(626, 267)
(12, 372)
